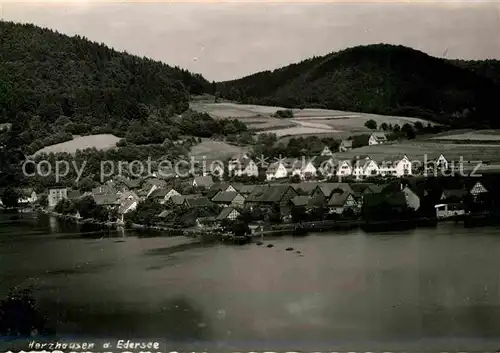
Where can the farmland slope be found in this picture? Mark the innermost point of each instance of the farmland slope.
(381, 79)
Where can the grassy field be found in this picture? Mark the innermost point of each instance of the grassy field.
(478, 135)
(417, 150)
(100, 142)
(213, 150)
(305, 121)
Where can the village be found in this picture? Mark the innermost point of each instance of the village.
(313, 190)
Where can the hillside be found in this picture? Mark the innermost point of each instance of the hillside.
(55, 85)
(380, 79)
(486, 68)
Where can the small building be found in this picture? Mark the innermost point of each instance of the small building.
(445, 210)
(304, 169)
(326, 151)
(365, 168)
(276, 170)
(325, 165)
(377, 138)
(345, 146)
(56, 195)
(228, 213)
(245, 167)
(345, 169)
(163, 195)
(153, 184)
(412, 198)
(125, 207)
(277, 196)
(197, 202)
(28, 196)
(341, 202)
(109, 201)
(205, 182)
(229, 198)
(478, 190)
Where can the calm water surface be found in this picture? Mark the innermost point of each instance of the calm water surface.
(412, 289)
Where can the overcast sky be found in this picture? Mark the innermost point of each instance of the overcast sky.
(229, 40)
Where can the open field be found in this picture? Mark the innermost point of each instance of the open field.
(305, 121)
(418, 150)
(215, 150)
(478, 135)
(100, 142)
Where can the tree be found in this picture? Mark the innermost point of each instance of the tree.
(86, 207)
(371, 124)
(298, 214)
(284, 114)
(384, 126)
(418, 126)
(10, 197)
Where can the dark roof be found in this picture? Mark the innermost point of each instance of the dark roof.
(269, 193)
(306, 187)
(27, 191)
(150, 182)
(198, 202)
(321, 160)
(300, 200)
(74, 194)
(397, 199)
(225, 196)
(130, 183)
(338, 199)
(177, 199)
(359, 188)
(226, 211)
(454, 193)
(105, 199)
(247, 189)
(160, 193)
(203, 181)
(328, 188)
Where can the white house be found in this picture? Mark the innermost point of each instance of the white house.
(126, 207)
(304, 168)
(412, 199)
(345, 169)
(441, 163)
(365, 168)
(377, 138)
(326, 151)
(27, 196)
(276, 170)
(247, 167)
(56, 195)
(345, 145)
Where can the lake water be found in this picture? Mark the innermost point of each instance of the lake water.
(422, 289)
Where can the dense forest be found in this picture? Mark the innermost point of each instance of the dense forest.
(57, 86)
(383, 79)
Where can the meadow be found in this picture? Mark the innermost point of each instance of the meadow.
(215, 150)
(100, 142)
(305, 121)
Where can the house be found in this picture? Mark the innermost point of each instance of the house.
(246, 190)
(442, 163)
(127, 195)
(109, 201)
(153, 184)
(228, 213)
(216, 169)
(197, 202)
(323, 192)
(125, 207)
(399, 167)
(325, 165)
(447, 210)
(341, 202)
(345, 169)
(27, 196)
(245, 167)
(303, 168)
(453, 195)
(276, 170)
(377, 138)
(300, 201)
(345, 146)
(127, 183)
(204, 182)
(56, 195)
(478, 190)
(163, 195)
(305, 188)
(326, 151)
(412, 198)
(272, 196)
(229, 198)
(365, 168)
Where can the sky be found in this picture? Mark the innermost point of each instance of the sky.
(227, 40)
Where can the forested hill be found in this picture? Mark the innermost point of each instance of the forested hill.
(383, 79)
(86, 87)
(487, 68)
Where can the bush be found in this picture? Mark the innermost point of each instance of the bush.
(284, 114)
(371, 124)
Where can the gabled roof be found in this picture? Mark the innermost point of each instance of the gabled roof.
(359, 188)
(225, 196)
(26, 192)
(197, 202)
(177, 199)
(130, 183)
(379, 135)
(300, 200)
(338, 199)
(306, 187)
(269, 193)
(273, 167)
(346, 143)
(160, 193)
(125, 205)
(247, 189)
(106, 199)
(204, 181)
(226, 211)
(328, 188)
(454, 193)
(322, 160)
